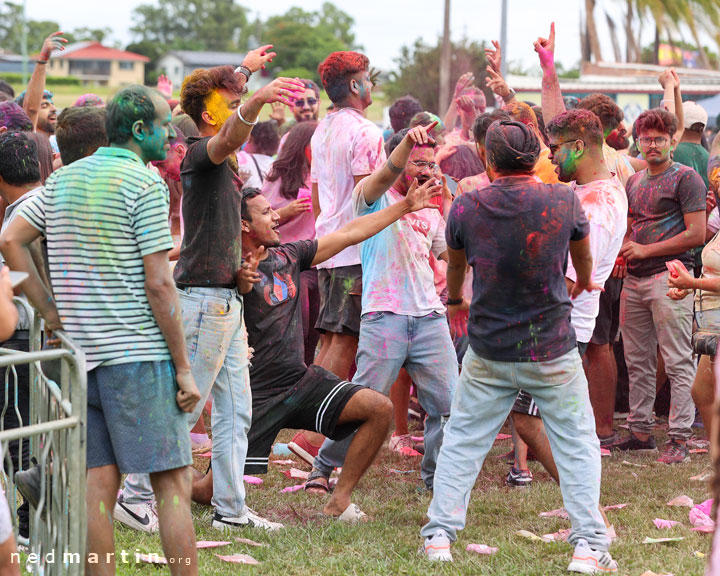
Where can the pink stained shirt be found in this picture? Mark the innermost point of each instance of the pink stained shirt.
(300, 227)
(345, 145)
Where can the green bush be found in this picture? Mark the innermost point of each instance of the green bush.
(16, 78)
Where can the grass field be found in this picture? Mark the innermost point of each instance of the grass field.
(388, 544)
(66, 96)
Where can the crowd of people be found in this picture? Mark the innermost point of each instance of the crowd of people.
(321, 275)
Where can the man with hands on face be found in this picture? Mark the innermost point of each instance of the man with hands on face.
(286, 393)
(666, 220)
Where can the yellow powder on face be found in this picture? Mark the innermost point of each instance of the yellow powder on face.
(217, 107)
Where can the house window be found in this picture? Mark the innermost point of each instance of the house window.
(127, 65)
(90, 67)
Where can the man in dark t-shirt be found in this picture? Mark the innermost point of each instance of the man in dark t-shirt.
(205, 275)
(285, 392)
(666, 220)
(516, 234)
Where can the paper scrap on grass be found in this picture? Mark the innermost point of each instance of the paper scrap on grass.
(704, 529)
(614, 507)
(293, 488)
(204, 455)
(700, 517)
(634, 464)
(604, 452)
(702, 477)
(651, 573)
(558, 513)
(649, 540)
(252, 480)
(699, 554)
(248, 542)
(151, 558)
(297, 474)
(559, 536)
(282, 462)
(481, 549)
(402, 471)
(417, 438)
(503, 437)
(210, 544)
(682, 501)
(661, 524)
(698, 451)
(529, 535)
(238, 559)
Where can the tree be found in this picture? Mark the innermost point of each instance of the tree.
(418, 71)
(92, 34)
(11, 21)
(303, 39)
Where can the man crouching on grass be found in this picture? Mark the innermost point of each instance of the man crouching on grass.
(285, 392)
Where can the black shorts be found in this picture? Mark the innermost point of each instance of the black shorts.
(315, 402)
(524, 403)
(607, 322)
(340, 300)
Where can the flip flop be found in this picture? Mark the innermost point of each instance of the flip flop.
(352, 515)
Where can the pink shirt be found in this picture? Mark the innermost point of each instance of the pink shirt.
(300, 227)
(345, 144)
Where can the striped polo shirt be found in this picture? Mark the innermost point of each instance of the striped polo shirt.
(100, 216)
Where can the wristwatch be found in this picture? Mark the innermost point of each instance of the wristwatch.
(244, 70)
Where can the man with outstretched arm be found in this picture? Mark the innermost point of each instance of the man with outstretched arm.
(287, 393)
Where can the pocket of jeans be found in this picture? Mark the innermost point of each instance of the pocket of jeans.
(216, 307)
(558, 371)
(372, 316)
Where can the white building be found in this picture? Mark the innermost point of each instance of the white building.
(178, 64)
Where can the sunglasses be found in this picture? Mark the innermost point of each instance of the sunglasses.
(301, 103)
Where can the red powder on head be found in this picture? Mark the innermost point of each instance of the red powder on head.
(340, 65)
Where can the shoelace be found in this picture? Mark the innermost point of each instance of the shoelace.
(404, 441)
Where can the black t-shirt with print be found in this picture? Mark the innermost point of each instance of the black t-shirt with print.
(211, 251)
(273, 317)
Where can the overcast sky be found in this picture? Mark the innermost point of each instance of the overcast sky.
(382, 27)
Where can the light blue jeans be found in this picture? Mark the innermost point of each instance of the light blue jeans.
(423, 346)
(218, 352)
(485, 394)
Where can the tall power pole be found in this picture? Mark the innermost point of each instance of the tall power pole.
(445, 62)
(503, 38)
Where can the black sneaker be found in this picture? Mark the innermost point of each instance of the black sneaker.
(519, 478)
(28, 483)
(609, 441)
(635, 444)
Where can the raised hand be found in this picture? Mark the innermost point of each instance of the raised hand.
(420, 135)
(285, 90)
(53, 42)
(463, 83)
(545, 47)
(278, 113)
(256, 59)
(494, 57)
(497, 83)
(419, 197)
(465, 104)
(165, 86)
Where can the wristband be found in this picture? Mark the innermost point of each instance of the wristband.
(244, 70)
(41, 61)
(394, 169)
(454, 301)
(242, 118)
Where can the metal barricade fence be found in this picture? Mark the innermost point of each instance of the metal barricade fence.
(56, 433)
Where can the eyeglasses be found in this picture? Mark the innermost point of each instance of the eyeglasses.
(554, 147)
(658, 141)
(301, 103)
(422, 164)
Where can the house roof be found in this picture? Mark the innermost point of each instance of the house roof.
(96, 51)
(208, 59)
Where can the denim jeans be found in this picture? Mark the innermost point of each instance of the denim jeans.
(423, 346)
(650, 319)
(218, 352)
(486, 391)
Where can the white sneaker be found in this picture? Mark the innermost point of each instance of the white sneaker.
(142, 516)
(437, 547)
(248, 518)
(588, 561)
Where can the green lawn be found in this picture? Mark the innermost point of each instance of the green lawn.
(388, 544)
(66, 96)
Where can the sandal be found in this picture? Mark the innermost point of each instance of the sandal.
(315, 481)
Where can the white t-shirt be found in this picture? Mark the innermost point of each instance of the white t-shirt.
(606, 207)
(397, 276)
(713, 223)
(245, 162)
(345, 144)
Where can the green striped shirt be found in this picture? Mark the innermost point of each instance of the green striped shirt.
(100, 216)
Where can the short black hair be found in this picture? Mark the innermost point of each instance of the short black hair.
(19, 164)
(127, 107)
(394, 141)
(482, 123)
(248, 194)
(79, 132)
(7, 89)
(265, 138)
(402, 111)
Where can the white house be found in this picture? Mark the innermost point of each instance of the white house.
(178, 64)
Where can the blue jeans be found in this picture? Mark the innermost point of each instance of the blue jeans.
(486, 391)
(423, 346)
(218, 352)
